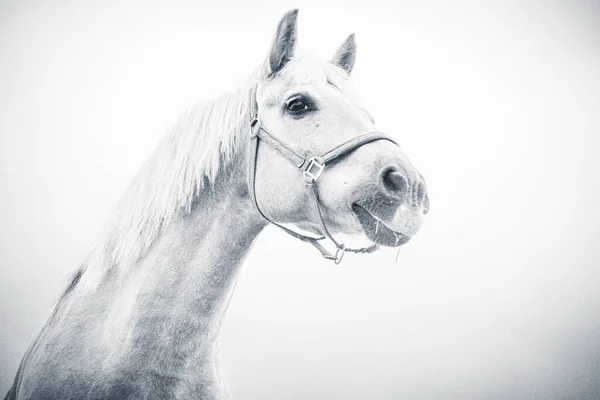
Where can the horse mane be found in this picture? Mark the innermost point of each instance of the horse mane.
(190, 157)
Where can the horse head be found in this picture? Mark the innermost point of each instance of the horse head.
(306, 107)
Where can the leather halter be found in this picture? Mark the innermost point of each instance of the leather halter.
(312, 169)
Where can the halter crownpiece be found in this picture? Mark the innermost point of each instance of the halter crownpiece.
(312, 169)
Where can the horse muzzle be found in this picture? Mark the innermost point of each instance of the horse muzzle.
(394, 213)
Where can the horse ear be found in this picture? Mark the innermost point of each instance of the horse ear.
(346, 55)
(282, 49)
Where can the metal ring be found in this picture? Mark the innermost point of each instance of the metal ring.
(339, 254)
(254, 126)
(313, 170)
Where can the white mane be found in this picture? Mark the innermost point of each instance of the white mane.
(189, 157)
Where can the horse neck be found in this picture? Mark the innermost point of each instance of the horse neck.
(169, 308)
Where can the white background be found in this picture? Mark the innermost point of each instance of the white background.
(497, 104)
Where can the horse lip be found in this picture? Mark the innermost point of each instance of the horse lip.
(376, 230)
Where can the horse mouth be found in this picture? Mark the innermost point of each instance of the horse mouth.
(376, 230)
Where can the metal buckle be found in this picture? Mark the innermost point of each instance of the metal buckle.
(254, 126)
(313, 171)
(339, 254)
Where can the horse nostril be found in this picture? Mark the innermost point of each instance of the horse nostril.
(394, 182)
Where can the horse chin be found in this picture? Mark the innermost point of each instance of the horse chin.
(376, 230)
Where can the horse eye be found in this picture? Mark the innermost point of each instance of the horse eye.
(297, 106)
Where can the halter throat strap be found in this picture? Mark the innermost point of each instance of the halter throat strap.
(312, 169)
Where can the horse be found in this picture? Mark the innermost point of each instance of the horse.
(291, 147)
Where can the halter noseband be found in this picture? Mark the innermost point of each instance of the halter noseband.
(312, 169)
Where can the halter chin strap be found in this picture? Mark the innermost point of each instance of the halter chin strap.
(312, 169)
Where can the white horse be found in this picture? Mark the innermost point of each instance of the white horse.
(141, 317)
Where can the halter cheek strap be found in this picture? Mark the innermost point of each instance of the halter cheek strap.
(312, 169)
